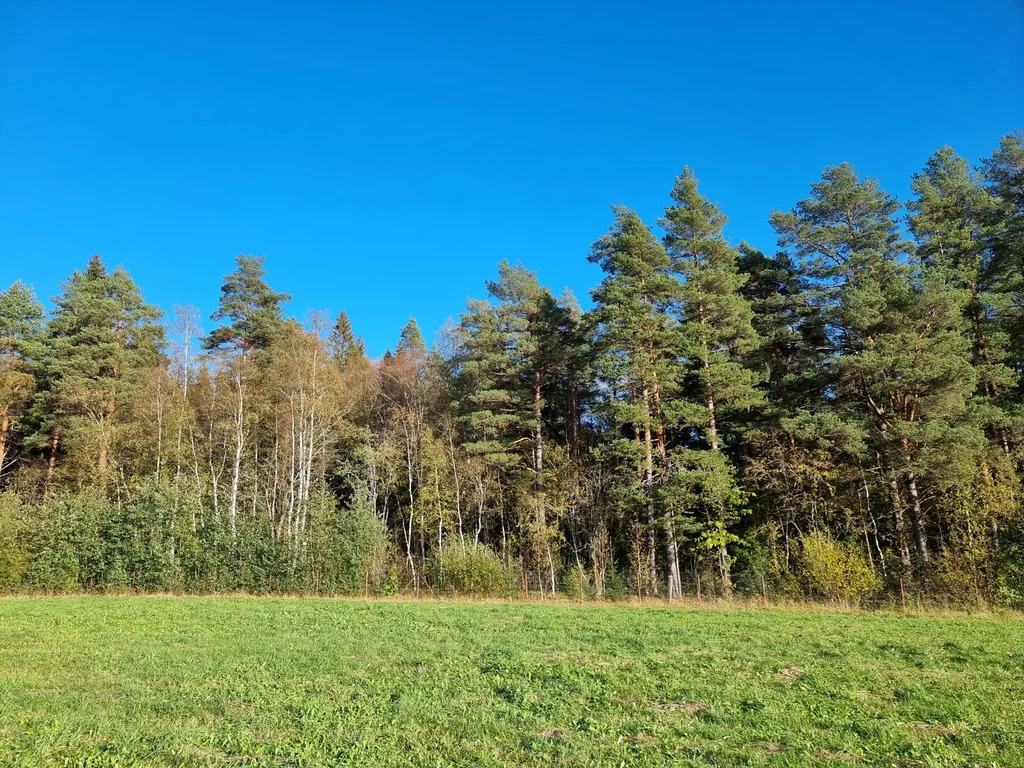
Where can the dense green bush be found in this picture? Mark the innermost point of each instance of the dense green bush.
(14, 554)
(1010, 589)
(474, 570)
(576, 582)
(352, 549)
(837, 571)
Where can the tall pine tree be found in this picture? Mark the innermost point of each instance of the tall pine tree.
(715, 324)
(901, 362)
(638, 349)
(251, 309)
(21, 329)
(101, 336)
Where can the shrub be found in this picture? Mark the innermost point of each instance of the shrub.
(66, 542)
(616, 585)
(473, 570)
(352, 548)
(575, 577)
(965, 574)
(837, 571)
(1010, 589)
(14, 555)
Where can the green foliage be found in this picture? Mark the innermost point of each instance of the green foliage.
(837, 571)
(21, 349)
(471, 570)
(15, 554)
(250, 307)
(410, 340)
(576, 582)
(355, 550)
(715, 405)
(344, 345)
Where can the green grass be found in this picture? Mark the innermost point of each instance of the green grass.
(167, 681)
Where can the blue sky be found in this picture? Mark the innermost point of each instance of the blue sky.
(385, 156)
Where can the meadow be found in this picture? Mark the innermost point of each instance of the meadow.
(235, 681)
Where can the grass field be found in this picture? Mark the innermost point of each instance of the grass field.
(167, 681)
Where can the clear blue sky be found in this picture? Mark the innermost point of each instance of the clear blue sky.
(385, 156)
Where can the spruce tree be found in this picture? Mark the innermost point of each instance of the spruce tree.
(343, 344)
(410, 340)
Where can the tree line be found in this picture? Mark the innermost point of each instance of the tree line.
(841, 418)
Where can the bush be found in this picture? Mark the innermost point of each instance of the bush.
(473, 570)
(837, 571)
(1010, 589)
(965, 575)
(66, 542)
(14, 555)
(575, 577)
(616, 585)
(352, 549)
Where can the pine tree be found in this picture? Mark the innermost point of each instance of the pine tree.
(531, 324)
(903, 366)
(790, 327)
(489, 413)
(638, 348)
(715, 323)
(21, 331)
(951, 220)
(251, 307)
(798, 453)
(254, 321)
(1003, 174)
(101, 336)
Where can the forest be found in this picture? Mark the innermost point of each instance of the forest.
(841, 418)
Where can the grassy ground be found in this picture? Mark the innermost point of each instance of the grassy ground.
(291, 682)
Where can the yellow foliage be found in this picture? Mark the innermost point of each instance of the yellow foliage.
(837, 571)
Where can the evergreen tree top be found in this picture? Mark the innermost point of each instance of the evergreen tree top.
(251, 308)
(343, 343)
(410, 340)
(847, 225)
(948, 216)
(21, 318)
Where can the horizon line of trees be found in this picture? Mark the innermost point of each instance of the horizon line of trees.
(841, 418)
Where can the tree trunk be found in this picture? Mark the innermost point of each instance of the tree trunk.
(409, 475)
(648, 487)
(5, 426)
(103, 460)
(538, 470)
(458, 489)
(675, 583)
(726, 573)
(239, 445)
(920, 539)
(51, 464)
(900, 525)
(723, 552)
(712, 421)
